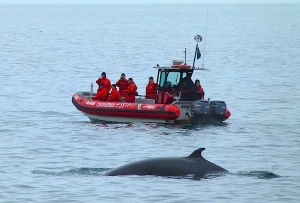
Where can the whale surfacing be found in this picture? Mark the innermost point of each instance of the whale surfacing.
(193, 164)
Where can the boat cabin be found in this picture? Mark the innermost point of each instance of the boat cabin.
(174, 84)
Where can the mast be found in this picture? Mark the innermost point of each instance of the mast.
(198, 39)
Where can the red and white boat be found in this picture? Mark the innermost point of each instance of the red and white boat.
(172, 105)
(140, 111)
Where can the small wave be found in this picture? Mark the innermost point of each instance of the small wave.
(201, 177)
(259, 174)
(101, 171)
(74, 172)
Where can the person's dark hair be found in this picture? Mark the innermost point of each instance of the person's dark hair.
(197, 80)
(130, 79)
(123, 74)
(150, 77)
(114, 85)
(103, 73)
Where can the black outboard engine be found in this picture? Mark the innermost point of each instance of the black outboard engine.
(218, 108)
(200, 108)
(204, 111)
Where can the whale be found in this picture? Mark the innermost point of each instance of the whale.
(194, 164)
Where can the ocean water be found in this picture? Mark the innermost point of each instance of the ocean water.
(50, 152)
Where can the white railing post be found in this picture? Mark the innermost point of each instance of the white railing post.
(91, 89)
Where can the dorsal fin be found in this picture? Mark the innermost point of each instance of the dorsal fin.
(197, 153)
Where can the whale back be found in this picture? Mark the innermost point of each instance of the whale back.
(169, 166)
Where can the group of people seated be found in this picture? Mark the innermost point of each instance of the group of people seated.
(109, 92)
(128, 89)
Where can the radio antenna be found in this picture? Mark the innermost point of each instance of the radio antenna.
(204, 39)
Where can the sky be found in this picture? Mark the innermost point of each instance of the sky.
(19, 2)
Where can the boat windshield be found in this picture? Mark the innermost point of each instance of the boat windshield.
(170, 79)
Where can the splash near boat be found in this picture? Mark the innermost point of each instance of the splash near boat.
(175, 100)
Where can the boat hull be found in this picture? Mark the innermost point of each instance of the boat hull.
(125, 112)
(145, 110)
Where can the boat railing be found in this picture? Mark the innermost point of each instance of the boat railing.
(142, 99)
(91, 94)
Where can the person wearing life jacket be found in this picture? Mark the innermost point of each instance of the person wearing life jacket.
(122, 83)
(199, 87)
(187, 88)
(151, 89)
(131, 91)
(104, 80)
(101, 93)
(186, 84)
(114, 95)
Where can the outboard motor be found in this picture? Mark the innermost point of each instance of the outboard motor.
(200, 109)
(218, 108)
(204, 111)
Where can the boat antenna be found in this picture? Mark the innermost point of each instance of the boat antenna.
(204, 39)
(184, 56)
(198, 39)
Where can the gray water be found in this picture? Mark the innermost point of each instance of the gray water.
(50, 152)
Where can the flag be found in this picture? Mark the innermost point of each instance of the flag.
(198, 53)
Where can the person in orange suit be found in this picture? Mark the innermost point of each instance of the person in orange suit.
(101, 93)
(131, 91)
(151, 89)
(104, 80)
(122, 83)
(199, 87)
(114, 95)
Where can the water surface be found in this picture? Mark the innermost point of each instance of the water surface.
(50, 152)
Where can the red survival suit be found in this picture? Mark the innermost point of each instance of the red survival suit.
(151, 91)
(104, 80)
(123, 86)
(114, 96)
(131, 93)
(101, 94)
(200, 89)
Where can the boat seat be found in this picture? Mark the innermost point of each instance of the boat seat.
(168, 99)
(164, 98)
